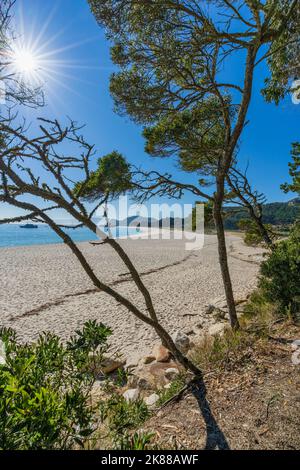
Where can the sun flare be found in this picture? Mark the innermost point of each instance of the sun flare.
(27, 64)
(25, 61)
(36, 59)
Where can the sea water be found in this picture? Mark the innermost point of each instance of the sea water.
(14, 235)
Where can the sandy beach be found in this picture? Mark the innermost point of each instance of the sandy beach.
(43, 288)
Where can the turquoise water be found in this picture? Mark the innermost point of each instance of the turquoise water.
(14, 235)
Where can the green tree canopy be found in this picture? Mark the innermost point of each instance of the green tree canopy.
(294, 170)
(170, 52)
(112, 177)
(196, 136)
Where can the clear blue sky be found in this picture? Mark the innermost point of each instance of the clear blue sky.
(80, 90)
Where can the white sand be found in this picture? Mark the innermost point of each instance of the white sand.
(44, 288)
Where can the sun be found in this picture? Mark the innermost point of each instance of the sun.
(26, 63)
(36, 59)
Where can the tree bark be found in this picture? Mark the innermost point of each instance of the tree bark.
(224, 264)
(265, 235)
(262, 229)
(223, 169)
(178, 355)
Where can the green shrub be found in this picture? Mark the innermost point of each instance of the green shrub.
(280, 273)
(45, 389)
(125, 415)
(176, 385)
(121, 416)
(259, 308)
(136, 441)
(222, 352)
(253, 237)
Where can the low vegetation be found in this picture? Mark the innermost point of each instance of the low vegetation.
(45, 389)
(120, 417)
(280, 280)
(253, 236)
(249, 376)
(166, 394)
(251, 389)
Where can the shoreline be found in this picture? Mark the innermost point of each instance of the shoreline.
(143, 234)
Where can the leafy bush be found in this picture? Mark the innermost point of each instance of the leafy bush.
(280, 280)
(252, 236)
(258, 307)
(136, 441)
(45, 387)
(120, 417)
(222, 352)
(176, 385)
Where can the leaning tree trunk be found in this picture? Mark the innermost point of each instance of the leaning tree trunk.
(178, 355)
(262, 229)
(265, 235)
(224, 264)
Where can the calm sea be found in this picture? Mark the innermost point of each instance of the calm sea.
(14, 235)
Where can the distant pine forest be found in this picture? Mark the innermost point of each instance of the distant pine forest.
(281, 214)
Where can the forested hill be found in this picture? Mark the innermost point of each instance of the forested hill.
(275, 213)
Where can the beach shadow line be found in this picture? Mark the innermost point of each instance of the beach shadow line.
(124, 277)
